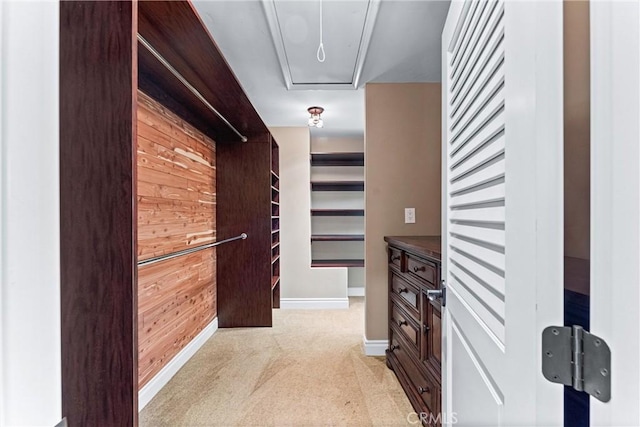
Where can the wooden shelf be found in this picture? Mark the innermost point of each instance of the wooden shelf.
(337, 263)
(337, 159)
(337, 237)
(224, 92)
(337, 186)
(275, 230)
(274, 281)
(275, 245)
(337, 212)
(275, 258)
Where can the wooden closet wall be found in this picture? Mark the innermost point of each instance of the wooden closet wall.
(176, 211)
(139, 175)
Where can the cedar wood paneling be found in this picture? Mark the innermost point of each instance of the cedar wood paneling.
(176, 211)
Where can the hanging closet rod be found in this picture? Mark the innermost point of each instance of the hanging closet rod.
(186, 84)
(189, 251)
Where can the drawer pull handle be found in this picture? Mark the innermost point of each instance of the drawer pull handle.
(416, 268)
(423, 390)
(402, 322)
(395, 258)
(394, 347)
(401, 290)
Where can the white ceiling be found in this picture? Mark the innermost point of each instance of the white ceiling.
(295, 32)
(404, 47)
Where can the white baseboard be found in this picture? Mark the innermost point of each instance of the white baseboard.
(355, 292)
(374, 347)
(162, 378)
(314, 303)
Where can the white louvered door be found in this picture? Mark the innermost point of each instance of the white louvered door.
(615, 203)
(502, 210)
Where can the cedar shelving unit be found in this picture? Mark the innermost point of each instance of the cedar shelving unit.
(98, 111)
(275, 225)
(327, 161)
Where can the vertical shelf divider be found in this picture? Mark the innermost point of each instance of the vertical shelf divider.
(275, 224)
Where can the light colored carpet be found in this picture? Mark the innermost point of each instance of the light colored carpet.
(308, 370)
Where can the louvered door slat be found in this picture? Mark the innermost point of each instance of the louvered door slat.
(491, 103)
(463, 41)
(488, 126)
(476, 168)
(489, 235)
(490, 37)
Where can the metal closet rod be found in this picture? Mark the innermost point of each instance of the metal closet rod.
(190, 251)
(186, 84)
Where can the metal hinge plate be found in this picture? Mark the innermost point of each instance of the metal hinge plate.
(576, 358)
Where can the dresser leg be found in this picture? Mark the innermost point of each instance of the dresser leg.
(387, 361)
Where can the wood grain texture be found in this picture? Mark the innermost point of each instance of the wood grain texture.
(175, 30)
(426, 246)
(244, 206)
(176, 301)
(98, 80)
(414, 268)
(176, 211)
(176, 182)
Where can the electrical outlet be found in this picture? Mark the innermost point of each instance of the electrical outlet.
(409, 215)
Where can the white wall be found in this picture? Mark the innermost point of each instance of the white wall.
(297, 279)
(29, 215)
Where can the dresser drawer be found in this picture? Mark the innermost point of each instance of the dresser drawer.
(407, 294)
(421, 386)
(423, 270)
(431, 340)
(395, 257)
(407, 325)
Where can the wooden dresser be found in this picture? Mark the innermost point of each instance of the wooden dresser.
(415, 350)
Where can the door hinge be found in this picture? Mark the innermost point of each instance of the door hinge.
(577, 358)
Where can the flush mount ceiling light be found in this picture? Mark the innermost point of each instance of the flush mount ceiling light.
(315, 118)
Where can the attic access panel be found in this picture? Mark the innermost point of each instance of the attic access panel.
(295, 30)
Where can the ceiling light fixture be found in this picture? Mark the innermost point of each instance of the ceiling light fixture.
(320, 53)
(315, 118)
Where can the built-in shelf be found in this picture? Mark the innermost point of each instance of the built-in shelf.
(275, 225)
(345, 174)
(337, 263)
(337, 212)
(337, 159)
(337, 186)
(337, 237)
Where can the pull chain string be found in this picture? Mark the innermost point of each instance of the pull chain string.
(320, 53)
